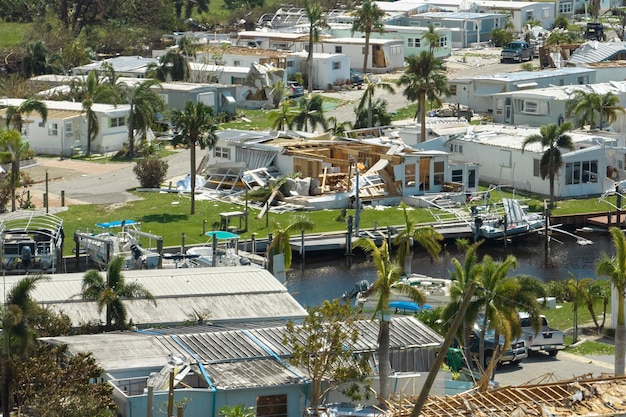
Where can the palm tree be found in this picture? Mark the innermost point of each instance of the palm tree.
(280, 238)
(239, 410)
(145, 103)
(579, 288)
(15, 115)
(432, 37)
(615, 269)
(495, 294)
(366, 102)
(368, 18)
(195, 125)
(424, 76)
(94, 89)
(110, 294)
(463, 276)
(387, 279)
(599, 290)
(338, 128)
(554, 138)
(376, 111)
(311, 111)
(608, 108)
(583, 107)
(14, 148)
(17, 333)
(315, 14)
(426, 237)
(283, 117)
(174, 66)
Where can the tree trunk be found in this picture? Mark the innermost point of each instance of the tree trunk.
(422, 104)
(407, 262)
(383, 358)
(15, 178)
(309, 62)
(6, 383)
(367, 52)
(620, 335)
(193, 176)
(551, 181)
(89, 127)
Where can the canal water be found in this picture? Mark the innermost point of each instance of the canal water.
(326, 277)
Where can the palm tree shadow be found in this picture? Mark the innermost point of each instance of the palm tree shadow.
(164, 218)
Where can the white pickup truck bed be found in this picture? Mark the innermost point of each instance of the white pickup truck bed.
(547, 339)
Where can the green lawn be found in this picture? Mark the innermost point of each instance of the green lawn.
(11, 34)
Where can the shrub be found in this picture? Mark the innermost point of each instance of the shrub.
(151, 171)
(501, 36)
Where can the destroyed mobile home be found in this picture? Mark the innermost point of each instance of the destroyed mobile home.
(323, 172)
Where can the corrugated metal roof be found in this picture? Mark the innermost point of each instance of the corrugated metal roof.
(594, 51)
(249, 374)
(223, 294)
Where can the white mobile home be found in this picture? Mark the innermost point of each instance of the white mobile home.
(281, 41)
(65, 131)
(124, 66)
(328, 69)
(385, 55)
(476, 92)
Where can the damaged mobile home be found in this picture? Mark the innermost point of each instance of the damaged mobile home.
(376, 162)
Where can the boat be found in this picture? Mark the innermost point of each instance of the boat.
(436, 290)
(31, 241)
(222, 249)
(512, 220)
(118, 238)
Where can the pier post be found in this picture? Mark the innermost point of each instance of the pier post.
(182, 243)
(546, 230)
(619, 206)
(77, 251)
(159, 246)
(506, 226)
(62, 198)
(349, 237)
(214, 250)
(253, 243)
(302, 248)
(204, 227)
(47, 194)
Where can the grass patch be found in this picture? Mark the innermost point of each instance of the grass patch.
(589, 347)
(563, 318)
(11, 34)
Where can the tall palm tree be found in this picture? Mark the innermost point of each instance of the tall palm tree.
(432, 37)
(18, 335)
(14, 148)
(15, 114)
(615, 269)
(110, 294)
(424, 76)
(317, 21)
(195, 125)
(608, 108)
(599, 290)
(426, 237)
(376, 112)
(281, 236)
(387, 279)
(311, 111)
(366, 102)
(496, 292)
(94, 89)
(463, 276)
(145, 103)
(552, 138)
(368, 18)
(174, 66)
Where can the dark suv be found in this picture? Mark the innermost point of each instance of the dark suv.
(356, 78)
(595, 30)
(517, 51)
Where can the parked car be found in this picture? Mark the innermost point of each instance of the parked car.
(452, 110)
(517, 51)
(547, 339)
(595, 30)
(295, 89)
(356, 78)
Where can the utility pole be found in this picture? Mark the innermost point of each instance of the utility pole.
(458, 319)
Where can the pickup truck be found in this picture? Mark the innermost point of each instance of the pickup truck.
(546, 340)
(517, 51)
(517, 352)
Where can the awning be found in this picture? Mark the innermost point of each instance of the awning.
(487, 89)
(527, 85)
(229, 98)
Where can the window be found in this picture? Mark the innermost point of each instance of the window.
(529, 16)
(438, 174)
(237, 80)
(336, 65)
(414, 42)
(581, 172)
(499, 105)
(290, 64)
(505, 159)
(582, 80)
(69, 129)
(565, 8)
(457, 175)
(471, 178)
(117, 121)
(455, 147)
(236, 63)
(409, 175)
(534, 107)
(536, 167)
(271, 406)
(53, 129)
(338, 49)
(452, 89)
(221, 152)
(443, 42)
